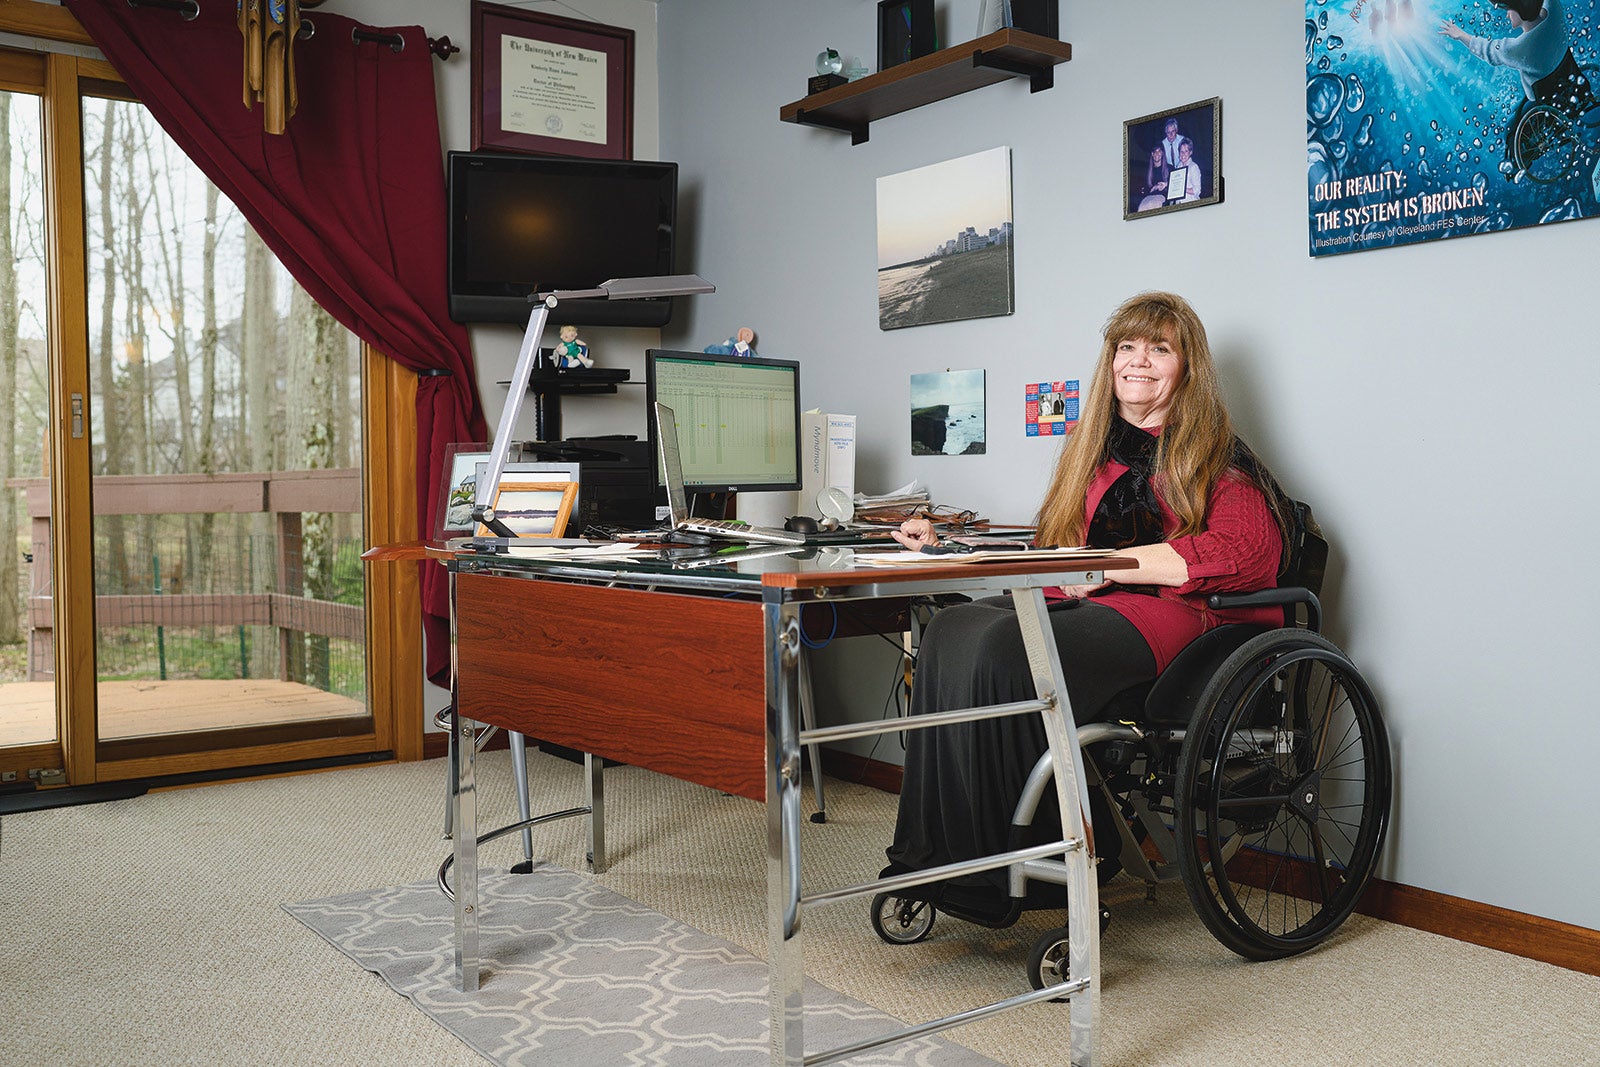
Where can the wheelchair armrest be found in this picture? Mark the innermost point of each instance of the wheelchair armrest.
(1285, 597)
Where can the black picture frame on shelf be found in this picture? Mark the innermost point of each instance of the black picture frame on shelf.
(1042, 17)
(905, 31)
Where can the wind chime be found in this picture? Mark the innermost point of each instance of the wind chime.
(269, 28)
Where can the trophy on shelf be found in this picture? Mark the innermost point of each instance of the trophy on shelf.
(829, 66)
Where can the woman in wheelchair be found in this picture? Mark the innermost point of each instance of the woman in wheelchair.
(1541, 53)
(1155, 472)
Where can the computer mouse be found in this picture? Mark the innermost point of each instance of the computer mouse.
(801, 524)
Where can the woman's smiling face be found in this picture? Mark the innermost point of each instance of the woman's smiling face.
(1144, 376)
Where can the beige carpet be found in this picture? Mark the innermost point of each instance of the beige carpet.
(150, 931)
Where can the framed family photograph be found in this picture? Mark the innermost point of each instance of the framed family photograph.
(550, 85)
(1173, 159)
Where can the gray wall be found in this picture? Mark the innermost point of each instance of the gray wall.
(1431, 401)
(1406, 393)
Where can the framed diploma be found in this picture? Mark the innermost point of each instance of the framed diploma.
(550, 85)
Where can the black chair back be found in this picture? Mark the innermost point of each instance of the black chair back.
(1308, 549)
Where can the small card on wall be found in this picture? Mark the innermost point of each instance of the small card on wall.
(1050, 409)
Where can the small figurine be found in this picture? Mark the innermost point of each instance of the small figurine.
(742, 343)
(571, 352)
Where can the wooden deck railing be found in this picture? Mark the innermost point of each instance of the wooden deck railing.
(286, 495)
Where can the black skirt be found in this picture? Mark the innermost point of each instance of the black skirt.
(962, 782)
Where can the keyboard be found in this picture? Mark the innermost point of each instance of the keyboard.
(729, 530)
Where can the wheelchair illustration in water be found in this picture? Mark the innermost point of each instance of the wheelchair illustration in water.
(1553, 136)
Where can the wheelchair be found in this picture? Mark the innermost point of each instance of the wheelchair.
(1548, 136)
(1255, 769)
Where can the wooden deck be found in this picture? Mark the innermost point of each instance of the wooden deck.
(146, 708)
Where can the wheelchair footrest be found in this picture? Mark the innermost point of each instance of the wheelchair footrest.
(948, 870)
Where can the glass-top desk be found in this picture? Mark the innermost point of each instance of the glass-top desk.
(689, 669)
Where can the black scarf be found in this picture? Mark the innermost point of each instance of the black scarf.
(1129, 513)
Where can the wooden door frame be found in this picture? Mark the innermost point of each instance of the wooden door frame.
(393, 593)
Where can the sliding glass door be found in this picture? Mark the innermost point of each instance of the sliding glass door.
(185, 499)
(225, 413)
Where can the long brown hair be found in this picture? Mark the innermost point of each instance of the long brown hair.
(1197, 442)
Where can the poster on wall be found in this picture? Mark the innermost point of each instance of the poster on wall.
(944, 241)
(1445, 118)
(1049, 409)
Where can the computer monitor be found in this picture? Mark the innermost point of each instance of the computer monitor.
(738, 419)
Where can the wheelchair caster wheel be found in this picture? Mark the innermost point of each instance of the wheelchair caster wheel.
(1048, 963)
(901, 920)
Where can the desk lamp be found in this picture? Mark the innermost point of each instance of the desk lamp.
(543, 304)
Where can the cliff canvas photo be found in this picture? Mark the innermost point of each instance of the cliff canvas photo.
(947, 413)
(944, 241)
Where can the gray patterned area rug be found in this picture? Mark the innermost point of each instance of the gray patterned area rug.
(577, 974)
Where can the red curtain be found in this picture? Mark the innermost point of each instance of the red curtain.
(351, 198)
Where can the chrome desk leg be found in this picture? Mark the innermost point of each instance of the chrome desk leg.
(785, 959)
(519, 774)
(450, 773)
(594, 797)
(1083, 904)
(464, 817)
(808, 721)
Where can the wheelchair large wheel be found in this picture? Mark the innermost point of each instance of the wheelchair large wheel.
(1545, 144)
(1283, 795)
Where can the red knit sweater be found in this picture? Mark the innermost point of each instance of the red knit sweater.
(1237, 552)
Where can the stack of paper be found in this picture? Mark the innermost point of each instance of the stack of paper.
(908, 495)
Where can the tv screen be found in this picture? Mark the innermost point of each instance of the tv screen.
(526, 224)
(738, 419)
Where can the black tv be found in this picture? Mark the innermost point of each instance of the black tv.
(526, 224)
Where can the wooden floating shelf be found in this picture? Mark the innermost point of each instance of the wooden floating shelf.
(995, 57)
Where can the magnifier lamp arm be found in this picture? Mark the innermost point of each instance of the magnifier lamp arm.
(526, 358)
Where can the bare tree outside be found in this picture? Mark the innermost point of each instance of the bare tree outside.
(207, 359)
(23, 370)
(11, 559)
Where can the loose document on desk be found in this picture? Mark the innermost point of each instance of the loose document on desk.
(554, 548)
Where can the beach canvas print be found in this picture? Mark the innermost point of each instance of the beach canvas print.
(944, 241)
(947, 417)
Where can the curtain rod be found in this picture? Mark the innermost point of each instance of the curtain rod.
(190, 10)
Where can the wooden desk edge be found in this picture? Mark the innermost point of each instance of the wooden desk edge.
(407, 550)
(879, 575)
(416, 550)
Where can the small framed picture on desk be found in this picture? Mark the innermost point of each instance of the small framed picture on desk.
(453, 517)
(532, 509)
